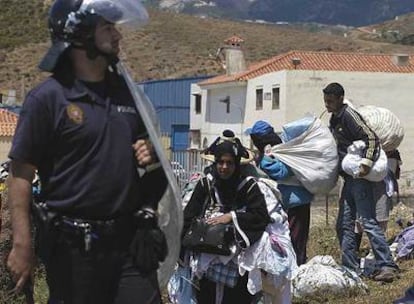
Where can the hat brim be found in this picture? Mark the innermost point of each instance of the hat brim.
(243, 160)
(51, 57)
(248, 131)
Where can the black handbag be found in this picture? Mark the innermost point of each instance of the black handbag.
(202, 237)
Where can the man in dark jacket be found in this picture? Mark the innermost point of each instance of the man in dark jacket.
(348, 126)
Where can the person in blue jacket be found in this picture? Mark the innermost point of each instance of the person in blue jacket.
(295, 198)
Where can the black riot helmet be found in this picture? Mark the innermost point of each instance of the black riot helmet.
(73, 22)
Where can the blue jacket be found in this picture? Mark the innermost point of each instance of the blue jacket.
(292, 196)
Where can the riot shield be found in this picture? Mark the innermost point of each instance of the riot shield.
(170, 210)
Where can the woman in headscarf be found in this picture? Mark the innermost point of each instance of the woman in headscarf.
(234, 200)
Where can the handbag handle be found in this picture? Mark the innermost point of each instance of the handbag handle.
(208, 199)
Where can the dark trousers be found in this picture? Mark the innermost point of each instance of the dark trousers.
(236, 295)
(105, 275)
(299, 221)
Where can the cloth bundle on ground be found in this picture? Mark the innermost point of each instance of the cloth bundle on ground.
(322, 275)
(405, 243)
(309, 149)
(352, 161)
(385, 124)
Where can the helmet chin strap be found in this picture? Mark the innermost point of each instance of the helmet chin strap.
(92, 52)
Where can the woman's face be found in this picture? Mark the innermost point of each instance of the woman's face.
(226, 166)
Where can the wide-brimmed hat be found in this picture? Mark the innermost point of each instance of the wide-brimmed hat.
(243, 160)
(228, 143)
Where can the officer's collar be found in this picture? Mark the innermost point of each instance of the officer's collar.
(78, 90)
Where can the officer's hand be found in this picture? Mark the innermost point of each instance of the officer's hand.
(144, 152)
(363, 170)
(20, 262)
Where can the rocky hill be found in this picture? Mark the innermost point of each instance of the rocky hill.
(346, 12)
(172, 45)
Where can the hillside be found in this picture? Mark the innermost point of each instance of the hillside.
(345, 12)
(177, 45)
(400, 30)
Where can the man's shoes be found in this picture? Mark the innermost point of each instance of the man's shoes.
(385, 274)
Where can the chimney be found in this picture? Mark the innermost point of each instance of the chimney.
(234, 56)
(400, 59)
(295, 61)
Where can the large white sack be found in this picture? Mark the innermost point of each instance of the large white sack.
(385, 124)
(352, 162)
(312, 156)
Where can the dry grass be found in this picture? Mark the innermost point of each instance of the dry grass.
(322, 242)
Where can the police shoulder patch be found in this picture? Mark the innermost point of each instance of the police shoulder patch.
(75, 113)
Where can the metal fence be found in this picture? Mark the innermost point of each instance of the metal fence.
(186, 163)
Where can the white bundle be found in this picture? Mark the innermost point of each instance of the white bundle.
(352, 162)
(312, 156)
(385, 124)
(322, 275)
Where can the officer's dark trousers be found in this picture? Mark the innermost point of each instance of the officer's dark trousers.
(104, 275)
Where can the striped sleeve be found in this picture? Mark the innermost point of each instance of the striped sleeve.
(360, 131)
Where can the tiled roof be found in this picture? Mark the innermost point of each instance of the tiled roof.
(319, 61)
(8, 122)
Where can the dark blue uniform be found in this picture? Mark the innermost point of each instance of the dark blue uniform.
(81, 144)
(79, 136)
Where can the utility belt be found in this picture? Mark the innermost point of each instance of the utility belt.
(136, 233)
(98, 232)
(53, 227)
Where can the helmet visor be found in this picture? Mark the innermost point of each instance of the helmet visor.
(129, 12)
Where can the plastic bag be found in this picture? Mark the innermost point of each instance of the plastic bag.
(352, 161)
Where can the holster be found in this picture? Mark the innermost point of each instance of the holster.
(46, 232)
(149, 245)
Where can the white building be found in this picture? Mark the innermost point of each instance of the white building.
(286, 87)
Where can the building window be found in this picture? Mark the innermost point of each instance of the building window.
(197, 103)
(259, 99)
(226, 100)
(275, 98)
(195, 136)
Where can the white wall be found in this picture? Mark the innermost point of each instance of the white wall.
(267, 82)
(5, 145)
(214, 118)
(392, 91)
(301, 93)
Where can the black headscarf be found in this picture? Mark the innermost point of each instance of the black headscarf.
(227, 143)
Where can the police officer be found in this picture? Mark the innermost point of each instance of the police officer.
(97, 231)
